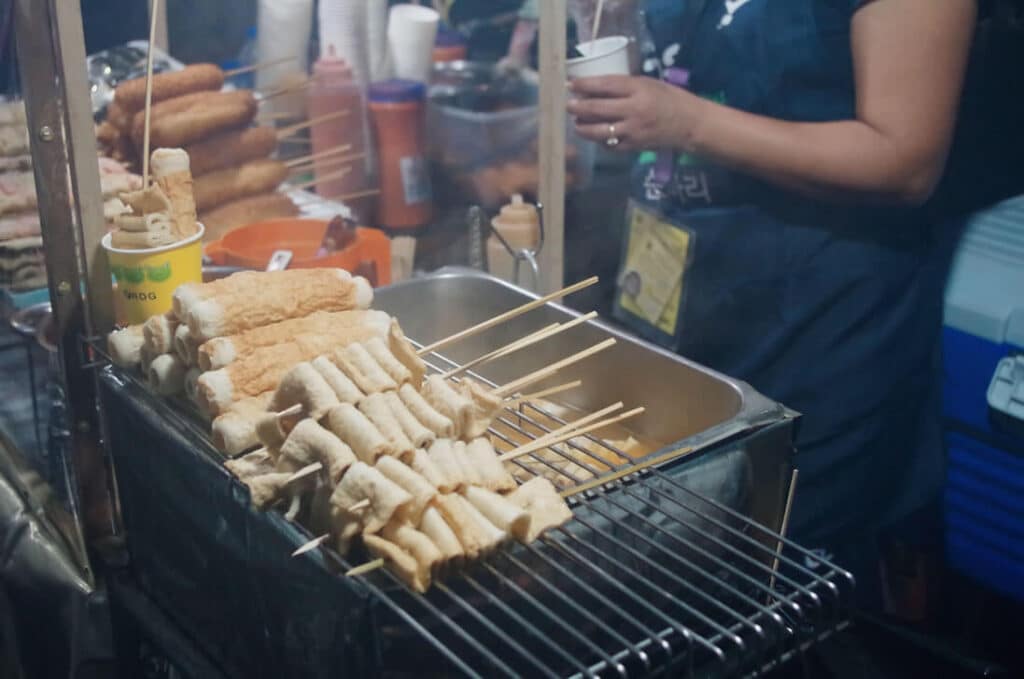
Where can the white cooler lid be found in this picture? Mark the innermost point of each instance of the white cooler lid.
(985, 293)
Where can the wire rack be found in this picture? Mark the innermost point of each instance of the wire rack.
(649, 577)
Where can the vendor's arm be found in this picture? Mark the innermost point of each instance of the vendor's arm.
(909, 59)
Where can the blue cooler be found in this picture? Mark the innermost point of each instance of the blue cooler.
(983, 401)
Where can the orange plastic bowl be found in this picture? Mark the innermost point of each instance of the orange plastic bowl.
(252, 245)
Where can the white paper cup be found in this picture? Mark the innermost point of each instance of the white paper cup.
(604, 56)
(411, 33)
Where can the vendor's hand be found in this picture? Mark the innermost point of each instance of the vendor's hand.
(642, 113)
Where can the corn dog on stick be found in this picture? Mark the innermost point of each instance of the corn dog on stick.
(300, 294)
(357, 324)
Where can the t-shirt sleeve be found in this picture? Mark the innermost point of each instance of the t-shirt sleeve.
(529, 11)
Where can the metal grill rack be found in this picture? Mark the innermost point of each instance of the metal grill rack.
(649, 577)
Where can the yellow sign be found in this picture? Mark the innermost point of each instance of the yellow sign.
(652, 279)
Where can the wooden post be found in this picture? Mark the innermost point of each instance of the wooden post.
(553, 21)
(161, 25)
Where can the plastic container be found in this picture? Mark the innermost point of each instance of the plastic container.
(397, 109)
(334, 89)
(449, 46)
(251, 246)
(145, 279)
(483, 126)
(519, 224)
(604, 56)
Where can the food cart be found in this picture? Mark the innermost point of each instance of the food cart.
(673, 561)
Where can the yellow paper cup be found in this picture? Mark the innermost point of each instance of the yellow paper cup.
(143, 280)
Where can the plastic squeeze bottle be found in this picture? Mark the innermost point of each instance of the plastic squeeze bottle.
(519, 224)
(334, 89)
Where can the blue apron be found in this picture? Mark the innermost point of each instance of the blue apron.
(832, 310)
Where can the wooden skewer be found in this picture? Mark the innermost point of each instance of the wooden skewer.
(257, 67)
(529, 340)
(326, 178)
(294, 507)
(345, 197)
(784, 527)
(286, 132)
(268, 117)
(367, 567)
(501, 351)
(632, 469)
(582, 422)
(362, 504)
(538, 444)
(292, 411)
(325, 162)
(154, 10)
(543, 393)
(302, 160)
(508, 315)
(308, 470)
(311, 545)
(287, 89)
(543, 373)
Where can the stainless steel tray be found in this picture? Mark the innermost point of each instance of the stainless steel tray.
(207, 557)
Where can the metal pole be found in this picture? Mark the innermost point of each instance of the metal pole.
(51, 57)
(553, 20)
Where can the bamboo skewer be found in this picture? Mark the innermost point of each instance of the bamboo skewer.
(326, 178)
(539, 444)
(543, 393)
(784, 527)
(577, 424)
(632, 469)
(286, 132)
(270, 117)
(154, 10)
(287, 89)
(508, 315)
(325, 162)
(542, 373)
(350, 196)
(302, 160)
(311, 545)
(529, 340)
(308, 470)
(367, 567)
(257, 67)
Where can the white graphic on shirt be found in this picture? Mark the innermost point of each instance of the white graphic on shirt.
(731, 7)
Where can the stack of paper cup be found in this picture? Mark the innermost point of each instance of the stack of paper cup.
(604, 56)
(342, 33)
(377, 39)
(283, 33)
(411, 33)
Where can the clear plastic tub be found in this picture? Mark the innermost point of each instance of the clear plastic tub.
(482, 129)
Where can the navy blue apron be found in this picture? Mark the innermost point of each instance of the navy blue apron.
(832, 310)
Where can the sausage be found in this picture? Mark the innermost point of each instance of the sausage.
(228, 216)
(230, 149)
(188, 102)
(117, 116)
(204, 118)
(222, 186)
(131, 94)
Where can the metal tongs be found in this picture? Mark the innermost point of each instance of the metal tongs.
(525, 254)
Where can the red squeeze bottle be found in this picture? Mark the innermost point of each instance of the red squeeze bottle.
(334, 89)
(397, 110)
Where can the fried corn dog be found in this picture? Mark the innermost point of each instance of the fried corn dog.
(131, 94)
(231, 149)
(250, 179)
